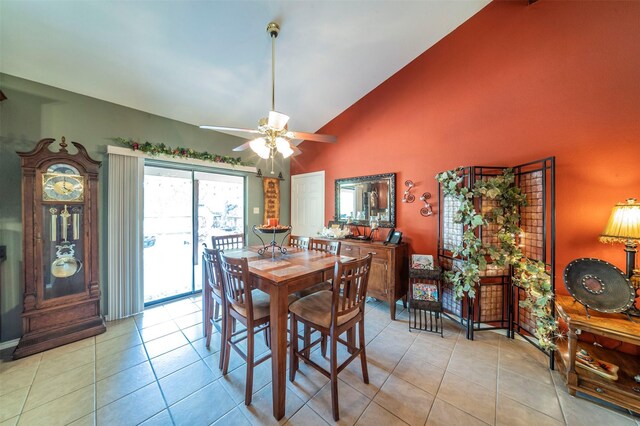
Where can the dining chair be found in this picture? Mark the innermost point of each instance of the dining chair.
(300, 242)
(228, 242)
(332, 247)
(213, 298)
(250, 308)
(333, 312)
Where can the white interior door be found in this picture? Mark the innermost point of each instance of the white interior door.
(307, 203)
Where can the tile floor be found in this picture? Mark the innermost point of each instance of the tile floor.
(154, 369)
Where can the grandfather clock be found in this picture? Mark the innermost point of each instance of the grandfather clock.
(60, 248)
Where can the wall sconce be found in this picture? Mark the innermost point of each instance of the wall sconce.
(426, 210)
(408, 197)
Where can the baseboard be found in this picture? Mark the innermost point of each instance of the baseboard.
(9, 344)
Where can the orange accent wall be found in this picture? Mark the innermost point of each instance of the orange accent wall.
(514, 83)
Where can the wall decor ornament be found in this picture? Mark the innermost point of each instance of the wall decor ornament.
(426, 210)
(271, 188)
(180, 152)
(529, 274)
(408, 197)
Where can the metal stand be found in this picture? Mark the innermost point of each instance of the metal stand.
(273, 245)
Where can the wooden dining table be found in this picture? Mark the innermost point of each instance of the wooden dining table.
(279, 275)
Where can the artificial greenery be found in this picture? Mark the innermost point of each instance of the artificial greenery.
(530, 275)
(160, 148)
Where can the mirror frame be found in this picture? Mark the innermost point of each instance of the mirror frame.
(391, 223)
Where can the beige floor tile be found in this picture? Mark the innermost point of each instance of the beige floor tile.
(189, 320)
(525, 366)
(405, 400)
(158, 330)
(234, 382)
(117, 328)
(306, 417)
(375, 415)
(260, 412)
(165, 344)
(385, 354)
(434, 354)
(415, 369)
(481, 353)
(476, 400)
(475, 371)
(133, 408)
(117, 344)
(187, 380)
(195, 332)
(510, 412)
(123, 383)
(444, 414)
(109, 365)
(213, 362)
(71, 347)
(10, 422)
(174, 360)
(308, 382)
(579, 411)
(163, 418)
(352, 375)
(88, 420)
(181, 308)
(201, 348)
(351, 404)
(16, 378)
(61, 411)
(8, 365)
(198, 409)
(151, 317)
(52, 366)
(11, 403)
(488, 337)
(448, 341)
(60, 385)
(523, 348)
(233, 418)
(532, 393)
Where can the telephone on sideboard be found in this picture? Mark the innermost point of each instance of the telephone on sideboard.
(394, 237)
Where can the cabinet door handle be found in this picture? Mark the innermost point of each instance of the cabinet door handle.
(599, 390)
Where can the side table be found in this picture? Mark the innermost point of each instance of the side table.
(624, 392)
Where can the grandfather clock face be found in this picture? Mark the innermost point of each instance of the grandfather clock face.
(63, 196)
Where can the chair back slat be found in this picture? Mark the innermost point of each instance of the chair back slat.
(300, 242)
(235, 279)
(228, 242)
(332, 247)
(211, 265)
(352, 278)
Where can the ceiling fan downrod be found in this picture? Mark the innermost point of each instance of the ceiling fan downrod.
(273, 29)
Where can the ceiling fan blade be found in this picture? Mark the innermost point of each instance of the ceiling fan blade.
(296, 150)
(313, 137)
(242, 147)
(230, 129)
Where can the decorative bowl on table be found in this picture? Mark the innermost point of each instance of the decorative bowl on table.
(277, 229)
(335, 232)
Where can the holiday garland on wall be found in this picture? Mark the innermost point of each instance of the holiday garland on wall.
(530, 275)
(180, 152)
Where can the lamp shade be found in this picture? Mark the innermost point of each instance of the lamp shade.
(283, 147)
(624, 223)
(259, 146)
(277, 120)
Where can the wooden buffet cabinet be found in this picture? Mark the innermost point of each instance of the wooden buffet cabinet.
(625, 391)
(388, 277)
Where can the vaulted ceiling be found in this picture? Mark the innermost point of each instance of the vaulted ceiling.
(209, 62)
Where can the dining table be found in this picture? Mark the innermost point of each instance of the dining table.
(280, 273)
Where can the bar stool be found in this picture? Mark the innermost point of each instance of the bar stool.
(333, 313)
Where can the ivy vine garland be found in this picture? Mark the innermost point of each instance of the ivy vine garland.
(160, 148)
(528, 274)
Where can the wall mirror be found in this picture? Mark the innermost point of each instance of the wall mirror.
(361, 199)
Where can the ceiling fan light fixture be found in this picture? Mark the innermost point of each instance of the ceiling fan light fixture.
(259, 146)
(277, 120)
(283, 147)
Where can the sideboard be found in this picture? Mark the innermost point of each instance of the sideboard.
(388, 278)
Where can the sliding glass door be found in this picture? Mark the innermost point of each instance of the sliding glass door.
(182, 210)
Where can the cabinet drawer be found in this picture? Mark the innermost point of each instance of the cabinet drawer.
(351, 251)
(378, 253)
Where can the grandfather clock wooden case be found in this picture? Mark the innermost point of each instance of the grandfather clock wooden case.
(60, 248)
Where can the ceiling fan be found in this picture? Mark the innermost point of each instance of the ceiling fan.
(273, 133)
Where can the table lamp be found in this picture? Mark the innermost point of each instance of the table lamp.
(624, 227)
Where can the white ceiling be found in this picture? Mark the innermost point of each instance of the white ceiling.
(209, 62)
